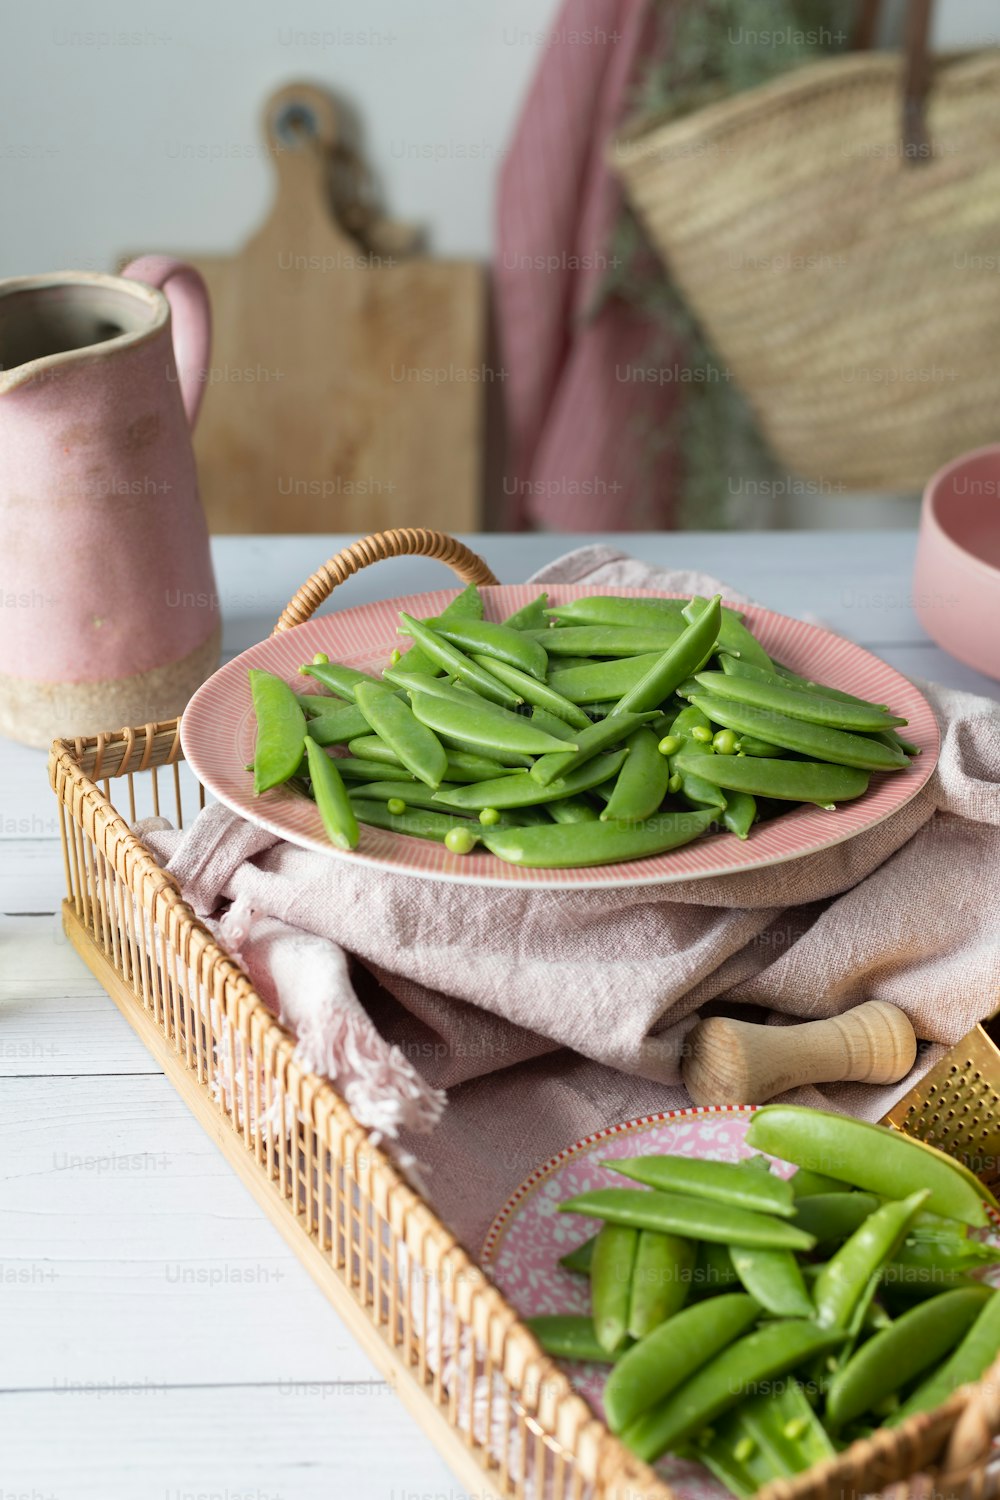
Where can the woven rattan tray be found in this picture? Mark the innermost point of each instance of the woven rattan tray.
(503, 1415)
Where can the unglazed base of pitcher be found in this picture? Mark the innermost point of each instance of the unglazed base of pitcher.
(36, 713)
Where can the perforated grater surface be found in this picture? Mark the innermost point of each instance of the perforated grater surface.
(956, 1106)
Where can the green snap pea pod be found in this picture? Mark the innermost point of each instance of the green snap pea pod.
(750, 745)
(572, 810)
(355, 769)
(689, 652)
(810, 685)
(915, 1342)
(589, 742)
(576, 845)
(414, 795)
(579, 1259)
(419, 823)
(490, 730)
(691, 1218)
(318, 705)
(713, 1270)
(774, 1279)
(775, 697)
(456, 663)
(730, 1457)
(786, 1426)
(436, 687)
(498, 643)
(836, 746)
(695, 790)
(725, 1380)
(522, 791)
(529, 616)
(569, 1336)
(945, 1252)
(847, 1281)
(338, 726)
(508, 760)
(611, 1268)
(724, 1182)
(281, 731)
(833, 1217)
(667, 1357)
(552, 724)
(734, 637)
(602, 681)
(468, 605)
(790, 781)
(461, 767)
(891, 738)
(334, 805)
(339, 679)
(610, 609)
(535, 692)
(873, 1157)
(642, 781)
(970, 1360)
(901, 1286)
(609, 640)
(806, 1184)
(411, 741)
(661, 1280)
(740, 813)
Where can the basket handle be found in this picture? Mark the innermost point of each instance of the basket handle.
(407, 541)
(972, 1436)
(916, 71)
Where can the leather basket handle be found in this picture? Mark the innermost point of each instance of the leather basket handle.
(405, 542)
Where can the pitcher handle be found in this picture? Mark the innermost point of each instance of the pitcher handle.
(191, 318)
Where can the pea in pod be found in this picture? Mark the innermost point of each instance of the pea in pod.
(612, 609)
(603, 681)
(786, 781)
(417, 822)
(578, 1260)
(334, 805)
(667, 1357)
(488, 729)
(281, 731)
(339, 679)
(569, 1336)
(797, 704)
(589, 742)
(773, 1278)
(496, 642)
(915, 1342)
(661, 1280)
(971, 1359)
(833, 745)
(740, 813)
(339, 726)
(847, 1281)
(576, 845)
(772, 1350)
(611, 1268)
(834, 1217)
(882, 1161)
(734, 637)
(412, 743)
(468, 605)
(461, 767)
(572, 810)
(534, 692)
(689, 652)
(642, 781)
(456, 663)
(522, 791)
(735, 667)
(692, 1218)
(722, 1182)
(529, 616)
(610, 640)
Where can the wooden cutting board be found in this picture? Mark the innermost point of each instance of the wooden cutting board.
(346, 389)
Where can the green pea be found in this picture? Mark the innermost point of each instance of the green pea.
(670, 744)
(396, 805)
(334, 805)
(702, 733)
(281, 731)
(460, 840)
(675, 783)
(575, 845)
(724, 742)
(489, 816)
(411, 741)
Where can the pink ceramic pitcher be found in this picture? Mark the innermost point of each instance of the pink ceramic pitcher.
(109, 611)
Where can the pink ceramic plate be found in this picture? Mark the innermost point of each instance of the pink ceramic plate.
(528, 1236)
(217, 733)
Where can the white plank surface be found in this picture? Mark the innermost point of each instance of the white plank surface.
(154, 1319)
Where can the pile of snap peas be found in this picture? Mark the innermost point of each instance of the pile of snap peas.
(601, 730)
(760, 1324)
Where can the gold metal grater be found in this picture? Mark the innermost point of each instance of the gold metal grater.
(956, 1105)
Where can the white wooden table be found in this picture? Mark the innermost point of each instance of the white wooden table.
(158, 1339)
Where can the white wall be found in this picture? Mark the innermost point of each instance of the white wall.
(132, 123)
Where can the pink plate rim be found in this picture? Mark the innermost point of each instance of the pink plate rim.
(217, 739)
(534, 1180)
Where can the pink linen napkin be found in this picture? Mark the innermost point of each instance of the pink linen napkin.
(547, 1015)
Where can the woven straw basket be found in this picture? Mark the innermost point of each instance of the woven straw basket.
(440, 1333)
(849, 283)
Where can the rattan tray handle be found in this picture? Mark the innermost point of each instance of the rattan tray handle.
(406, 542)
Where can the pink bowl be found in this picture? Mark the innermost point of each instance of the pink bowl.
(956, 582)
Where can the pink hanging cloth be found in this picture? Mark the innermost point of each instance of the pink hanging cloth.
(582, 426)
